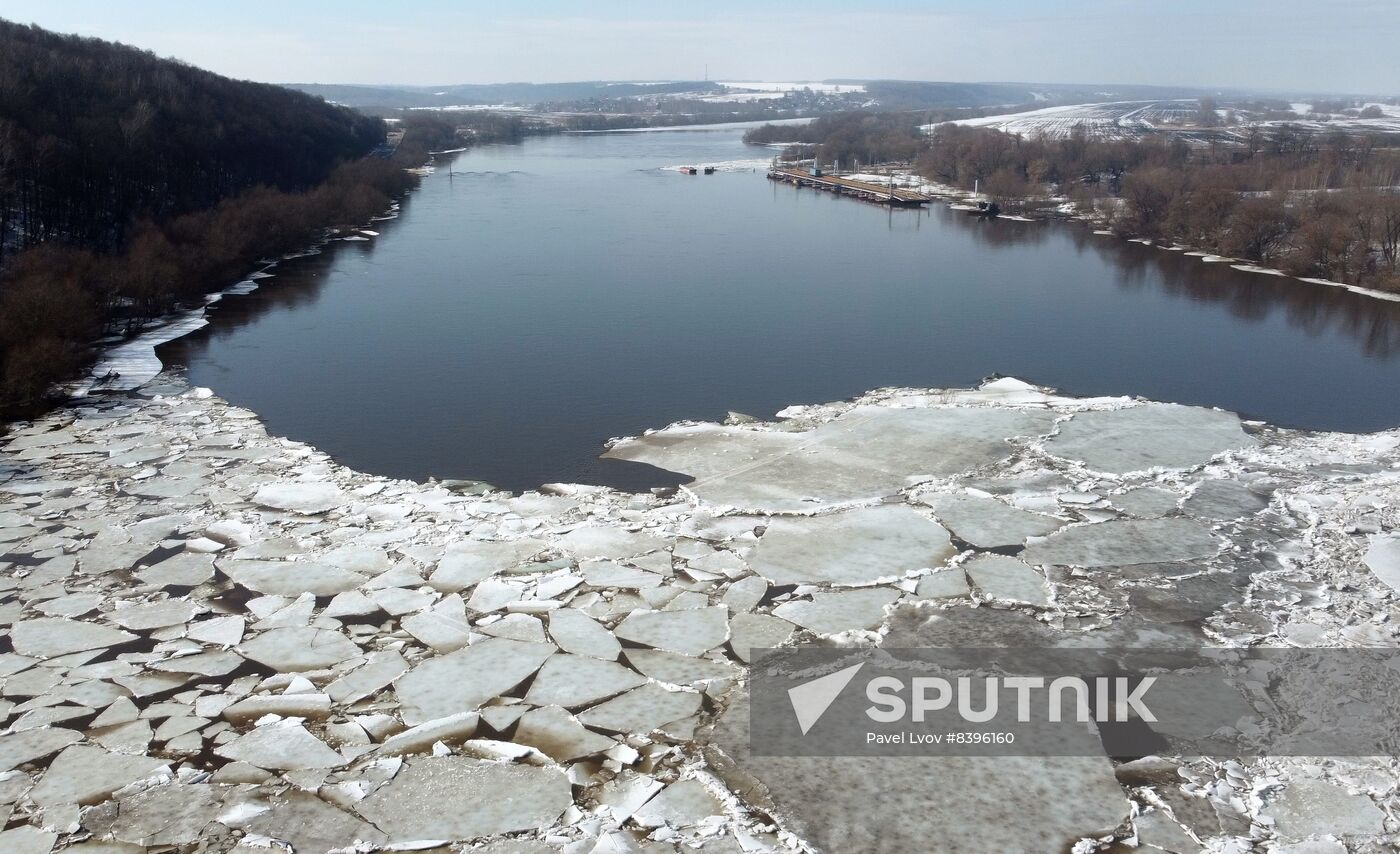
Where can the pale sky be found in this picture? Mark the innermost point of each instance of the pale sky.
(1313, 45)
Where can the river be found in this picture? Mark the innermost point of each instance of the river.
(533, 300)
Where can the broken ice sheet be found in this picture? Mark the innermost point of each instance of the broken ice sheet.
(956, 803)
(120, 680)
(865, 453)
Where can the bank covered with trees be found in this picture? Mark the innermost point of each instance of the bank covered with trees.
(130, 184)
(1323, 205)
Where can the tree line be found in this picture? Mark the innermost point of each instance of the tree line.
(1314, 205)
(130, 185)
(95, 135)
(1324, 205)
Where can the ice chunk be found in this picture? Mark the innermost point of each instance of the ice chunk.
(623, 794)
(578, 680)
(1383, 557)
(1152, 435)
(684, 803)
(301, 648)
(224, 631)
(944, 584)
(1309, 807)
(757, 631)
(187, 569)
(470, 561)
(284, 705)
(173, 814)
(454, 798)
(578, 633)
(464, 680)
(453, 729)
(558, 735)
(598, 542)
(987, 523)
(155, 615)
(1007, 579)
(46, 637)
(642, 710)
(1146, 502)
(27, 839)
(677, 669)
(301, 819)
(281, 746)
(1224, 500)
(922, 803)
(17, 748)
(688, 632)
(854, 547)
(832, 613)
(443, 627)
(308, 499)
(230, 532)
(1125, 542)
(290, 577)
(745, 594)
(87, 775)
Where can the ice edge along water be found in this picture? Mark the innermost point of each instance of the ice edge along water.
(216, 631)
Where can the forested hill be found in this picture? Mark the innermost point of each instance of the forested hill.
(95, 135)
(131, 185)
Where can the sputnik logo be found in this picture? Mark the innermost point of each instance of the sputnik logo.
(810, 700)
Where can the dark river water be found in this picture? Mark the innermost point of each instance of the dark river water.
(534, 300)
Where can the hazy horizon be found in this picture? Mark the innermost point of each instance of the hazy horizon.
(1284, 45)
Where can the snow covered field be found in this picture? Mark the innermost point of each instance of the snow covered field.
(1128, 120)
(1113, 120)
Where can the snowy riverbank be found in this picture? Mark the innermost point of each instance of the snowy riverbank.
(960, 199)
(219, 636)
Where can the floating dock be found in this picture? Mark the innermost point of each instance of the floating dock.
(864, 190)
